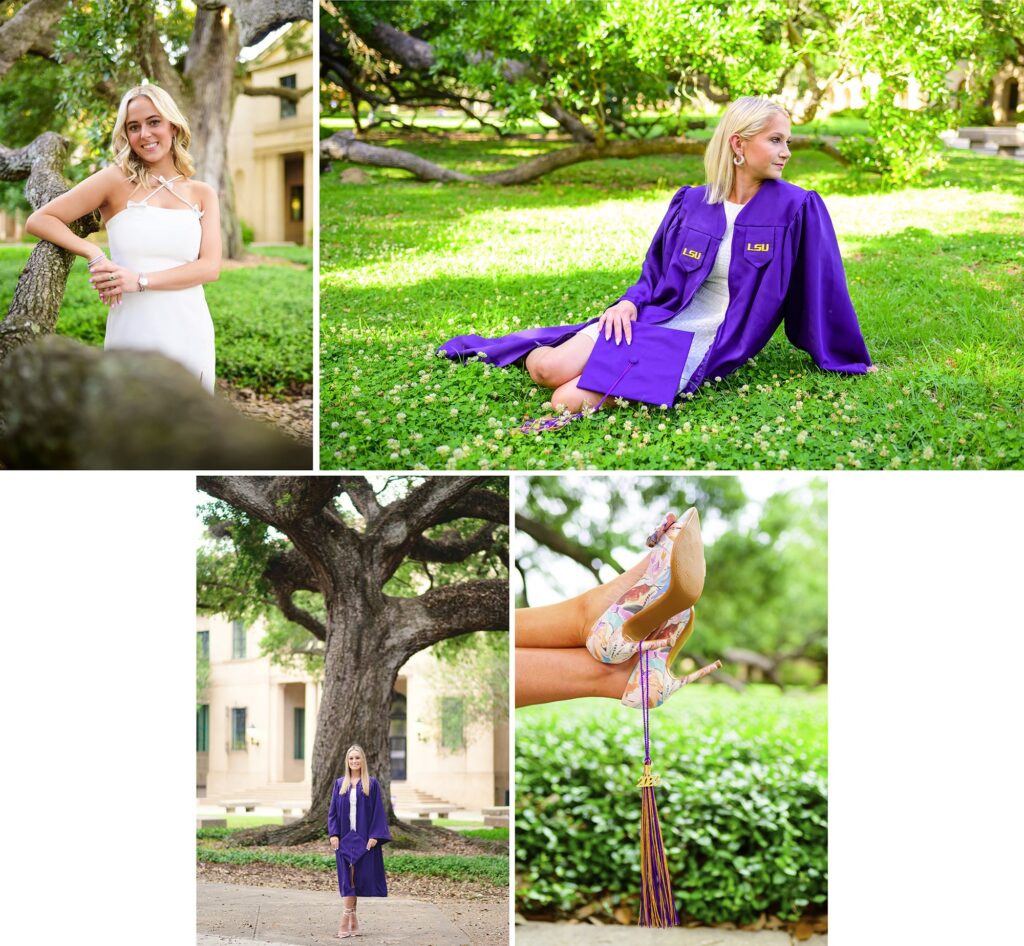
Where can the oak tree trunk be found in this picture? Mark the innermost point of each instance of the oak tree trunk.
(210, 71)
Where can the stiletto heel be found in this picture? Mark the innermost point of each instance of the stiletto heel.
(661, 660)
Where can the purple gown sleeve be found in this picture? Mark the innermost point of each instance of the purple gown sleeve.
(642, 290)
(377, 826)
(332, 814)
(819, 315)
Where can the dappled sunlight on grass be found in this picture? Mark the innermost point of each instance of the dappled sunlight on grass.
(934, 275)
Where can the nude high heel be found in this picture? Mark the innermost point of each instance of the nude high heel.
(671, 583)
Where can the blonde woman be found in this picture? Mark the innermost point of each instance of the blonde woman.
(357, 826)
(163, 229)
(731, 260)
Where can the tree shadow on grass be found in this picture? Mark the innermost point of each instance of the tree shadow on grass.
(938, 311)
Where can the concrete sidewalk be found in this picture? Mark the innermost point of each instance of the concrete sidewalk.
(570, 934)
(229, 915)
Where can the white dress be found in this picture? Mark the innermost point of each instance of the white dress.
(707, 308)
(174, 322)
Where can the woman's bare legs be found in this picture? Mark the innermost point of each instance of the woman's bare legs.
(546, 676)
(553, 367)
(567, 623)
(348, 925)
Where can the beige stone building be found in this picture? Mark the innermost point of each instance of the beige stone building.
(256, 724)
(270, 143)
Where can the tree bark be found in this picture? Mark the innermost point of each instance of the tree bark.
(67, 406)
(369, 635)
(19, 34)
(40, 290)
(343, 146)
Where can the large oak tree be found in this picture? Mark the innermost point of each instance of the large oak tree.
(394, 568)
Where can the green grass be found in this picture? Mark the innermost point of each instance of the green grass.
(490, 868)
(288, 251)
(487, 834)
(455, 823)
(262, 316)
(934, 272)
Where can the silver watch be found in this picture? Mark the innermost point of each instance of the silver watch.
(143, 282)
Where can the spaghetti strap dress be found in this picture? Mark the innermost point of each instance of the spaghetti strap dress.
(173, 322)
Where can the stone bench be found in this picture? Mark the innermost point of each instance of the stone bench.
(290, 807)
(240, 805)
(211, 823)
(424, 812)
(496, 817)
(1006, 140)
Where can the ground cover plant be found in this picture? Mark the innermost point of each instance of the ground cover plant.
(933, 270)
(262, 316)
(743, 802)
(484, 867)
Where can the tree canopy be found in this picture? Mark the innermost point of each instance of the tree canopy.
(636, 69)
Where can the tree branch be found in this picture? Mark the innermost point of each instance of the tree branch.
(343, 146)
(557, 542)
(361, 493)
(452, 547)
(447, 612)
(257, 18)
(19, 34)
(278, 91)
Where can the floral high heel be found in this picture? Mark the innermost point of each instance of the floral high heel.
(671, 583)
(661, 658)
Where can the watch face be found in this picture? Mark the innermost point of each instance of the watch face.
(143, 281)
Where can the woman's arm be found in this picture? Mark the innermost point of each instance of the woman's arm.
(203, 270)
(52, 222)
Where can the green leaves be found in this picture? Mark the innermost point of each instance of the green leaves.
(743, 804)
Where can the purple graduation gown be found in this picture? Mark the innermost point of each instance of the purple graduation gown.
(371, 822)
(785, 267)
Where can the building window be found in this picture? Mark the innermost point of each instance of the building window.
(288, 109)
(396, 734)
(203, 728)
(452, 722)
(203, 642)
(238, 640)
(238, 728)
(300, 733)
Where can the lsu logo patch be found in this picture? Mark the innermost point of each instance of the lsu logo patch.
(693, 254)
(758, 247)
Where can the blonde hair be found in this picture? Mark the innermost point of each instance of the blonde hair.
(744, 117)
(364, 776)
(127, 160)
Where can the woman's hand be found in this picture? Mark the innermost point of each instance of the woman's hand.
(619, 319)
(111, 280)
(372, 843)
(334, 843)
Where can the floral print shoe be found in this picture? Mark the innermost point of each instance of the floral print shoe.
(671, 583)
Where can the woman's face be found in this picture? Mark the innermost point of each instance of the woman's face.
(767, 152)
(355, 761)
(149, 133)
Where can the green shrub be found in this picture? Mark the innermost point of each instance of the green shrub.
(743, 805)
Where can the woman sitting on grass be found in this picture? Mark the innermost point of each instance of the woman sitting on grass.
(729, 262)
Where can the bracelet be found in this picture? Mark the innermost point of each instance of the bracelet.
(96, 259)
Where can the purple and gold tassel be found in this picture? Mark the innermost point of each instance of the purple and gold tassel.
(657, 905)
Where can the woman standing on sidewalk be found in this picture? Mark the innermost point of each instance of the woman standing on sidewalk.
(357, 827)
